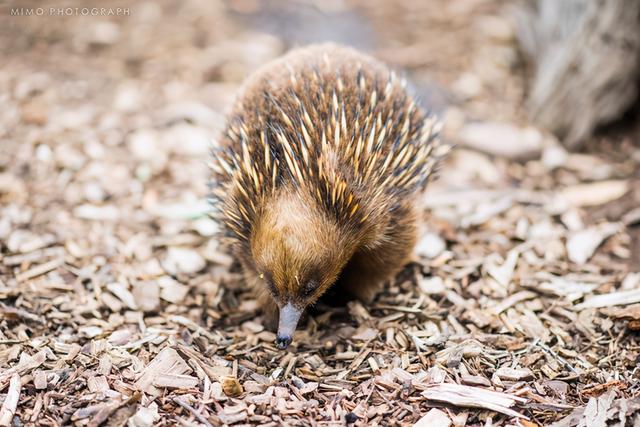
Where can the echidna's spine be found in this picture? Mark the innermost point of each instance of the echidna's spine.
(346, 136)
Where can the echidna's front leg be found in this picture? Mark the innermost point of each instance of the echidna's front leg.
(269, 311)
(368, 270)
(372, 266)
(363, 277)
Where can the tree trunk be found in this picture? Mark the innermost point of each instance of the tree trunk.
(586, 63)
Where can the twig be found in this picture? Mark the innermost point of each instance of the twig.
(193, 411)
(557, 357)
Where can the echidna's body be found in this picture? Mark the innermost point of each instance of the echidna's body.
(317, 175)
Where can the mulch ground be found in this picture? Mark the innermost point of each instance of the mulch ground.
(118, 306)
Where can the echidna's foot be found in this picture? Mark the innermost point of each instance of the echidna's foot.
(336, 296)
(269, 313)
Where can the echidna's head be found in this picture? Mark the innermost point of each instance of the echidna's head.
(298, 253)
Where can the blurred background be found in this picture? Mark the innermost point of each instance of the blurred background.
(107, 103)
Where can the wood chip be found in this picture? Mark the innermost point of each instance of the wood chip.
(513, 374)
(473, 397)
(434, 418)
(582, 245)
(594, 194)
(610, 299)
(40, 380)
(10, 403)
(167, 380)
(512, 300)
(147, 295)
(98, 384)
(39, 270)
(168, 361)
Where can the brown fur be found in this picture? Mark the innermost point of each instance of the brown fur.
(318, 172)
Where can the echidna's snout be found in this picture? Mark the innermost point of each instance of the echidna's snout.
(289, 316)
(283, 342)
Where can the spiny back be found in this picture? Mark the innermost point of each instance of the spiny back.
(332, 123)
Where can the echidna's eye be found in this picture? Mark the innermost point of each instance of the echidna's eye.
(309, 288)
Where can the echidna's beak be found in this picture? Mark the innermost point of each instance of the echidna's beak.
(289, 316)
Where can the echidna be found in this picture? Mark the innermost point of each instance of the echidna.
(316, 177)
